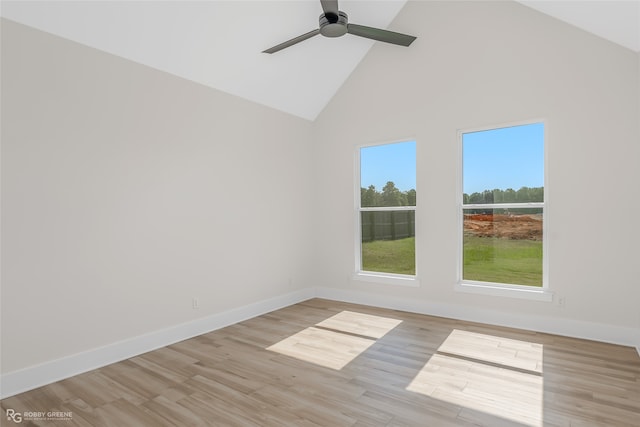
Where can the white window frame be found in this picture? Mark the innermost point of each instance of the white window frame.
(542, 293)
(377, 276)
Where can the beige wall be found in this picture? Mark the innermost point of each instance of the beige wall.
(126, 192)
(485, 63)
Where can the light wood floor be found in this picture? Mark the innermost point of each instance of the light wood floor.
(326, 363)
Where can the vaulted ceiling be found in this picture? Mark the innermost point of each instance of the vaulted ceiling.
(220, 43)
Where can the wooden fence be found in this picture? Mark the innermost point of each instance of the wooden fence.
(387, 225)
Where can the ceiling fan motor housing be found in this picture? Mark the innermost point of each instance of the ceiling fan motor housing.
(332, 25)
(335, 23)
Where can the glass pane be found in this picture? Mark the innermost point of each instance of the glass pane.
(388, 241)
(503, 246)
(504, 165)
(388, 175)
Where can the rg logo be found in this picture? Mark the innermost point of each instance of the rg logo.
(14, 416)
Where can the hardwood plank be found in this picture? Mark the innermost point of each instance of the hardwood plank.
(329, 363)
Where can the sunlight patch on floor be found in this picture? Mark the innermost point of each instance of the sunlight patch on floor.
(510, 353)
(336, 341)
(496, 376)
(360, 324)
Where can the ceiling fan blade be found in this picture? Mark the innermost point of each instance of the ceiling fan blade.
(292, 41)
(330, 6)
(380, 35)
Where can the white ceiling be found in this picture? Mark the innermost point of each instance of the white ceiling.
(219, 43)
(615, 20)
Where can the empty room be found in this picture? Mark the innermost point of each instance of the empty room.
(320, 213)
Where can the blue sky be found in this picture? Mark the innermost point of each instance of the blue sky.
(503, 158)
(389, 162)
(511, 157)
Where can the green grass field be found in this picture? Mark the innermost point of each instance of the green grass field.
(497, 260)
(390, 256)
(485, 259)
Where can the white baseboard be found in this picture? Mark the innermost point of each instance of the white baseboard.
(29, 378)
(32, 377)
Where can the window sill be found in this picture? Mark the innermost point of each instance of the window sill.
(387, 278)
(509, 291)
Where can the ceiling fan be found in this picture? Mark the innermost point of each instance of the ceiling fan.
(335, 23)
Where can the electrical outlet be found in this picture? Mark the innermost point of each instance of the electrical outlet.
(195, 304)
(561, 301)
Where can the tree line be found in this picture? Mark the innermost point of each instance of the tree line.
(389, 196)
(392, 196)
(523, 195)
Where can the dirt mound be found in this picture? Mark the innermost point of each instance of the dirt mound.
(518, 227)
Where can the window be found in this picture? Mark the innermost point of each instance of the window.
(502, 208)
(386, 210)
